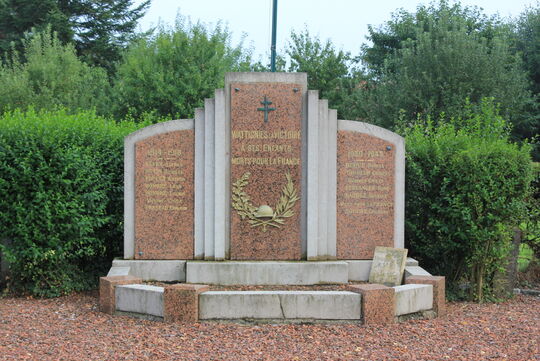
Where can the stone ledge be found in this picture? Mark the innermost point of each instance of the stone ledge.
(322, 305)
(412, 298)
(267, 273)
(153, 270)
(138, 298)
(359, 269)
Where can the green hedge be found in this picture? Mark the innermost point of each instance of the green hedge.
(467, 186)
(61, 181)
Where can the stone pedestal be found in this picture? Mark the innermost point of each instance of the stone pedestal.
(181, 302)
(107, 300)
(377, 303)
(438, 282)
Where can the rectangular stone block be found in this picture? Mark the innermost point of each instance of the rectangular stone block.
(388, 266)
(266, 170)
(155, 270)
(107, 285)
(327, 305)
(181, 302)
(164, 196)
(365, 194)
(412, 298)
(439, 293)
(267, 273)
(141, 299)
(415, 271)
(377, 303)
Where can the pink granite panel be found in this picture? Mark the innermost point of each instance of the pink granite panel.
(439, 296)
(164, 196)
(262, 155)
(181, 302)
(365, 194)
(377, 303)
(107, 299)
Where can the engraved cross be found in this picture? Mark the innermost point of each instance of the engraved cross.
(266, 109)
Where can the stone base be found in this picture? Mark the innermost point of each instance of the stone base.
(267, 273)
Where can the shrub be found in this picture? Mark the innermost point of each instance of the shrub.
(466, 188)
(50, 75)
(61, 180)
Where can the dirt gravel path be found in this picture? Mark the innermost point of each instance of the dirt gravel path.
(72, 328)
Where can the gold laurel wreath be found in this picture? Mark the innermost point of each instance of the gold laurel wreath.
(241, 202)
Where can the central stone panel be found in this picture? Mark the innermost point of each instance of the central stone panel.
(266, 171)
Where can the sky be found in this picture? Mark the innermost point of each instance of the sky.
(344, 22)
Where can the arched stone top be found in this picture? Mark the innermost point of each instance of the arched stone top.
(373, 130)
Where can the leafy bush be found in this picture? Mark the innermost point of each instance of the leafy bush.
(466, 188)
(61, 180)
(49, 75)
(170, 73)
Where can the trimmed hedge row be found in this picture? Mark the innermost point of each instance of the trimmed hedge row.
(467, 187)
(61, 181)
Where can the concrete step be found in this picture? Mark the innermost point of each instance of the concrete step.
(412, 298)
(141, 299)
(266, 272)
(280, 305)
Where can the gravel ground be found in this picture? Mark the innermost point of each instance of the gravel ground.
(72, 328)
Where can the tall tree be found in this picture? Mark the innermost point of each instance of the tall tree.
(329, 70)
(454, 58)
(439, 17)
(99, 29)
(170, 72)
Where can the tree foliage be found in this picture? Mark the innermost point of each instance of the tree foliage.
(330, 71)
(99, 29)
(171, 72)
(50, 75)
(441, 59)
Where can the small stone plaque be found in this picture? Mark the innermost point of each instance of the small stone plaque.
(164, 196)
(266, 171)
(365, 194)
(388, 266)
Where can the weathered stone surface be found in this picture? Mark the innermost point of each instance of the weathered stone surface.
(164, 196)
(181, 302)
(328, 305)
(107, 285)
(118, 271)
(154, 270)
(267, 273)
(377, 303)
(141, 299)
(439, 293)
(265, 149)
(365, 194)
(415, 271)
(413, 298)
(388, 266)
